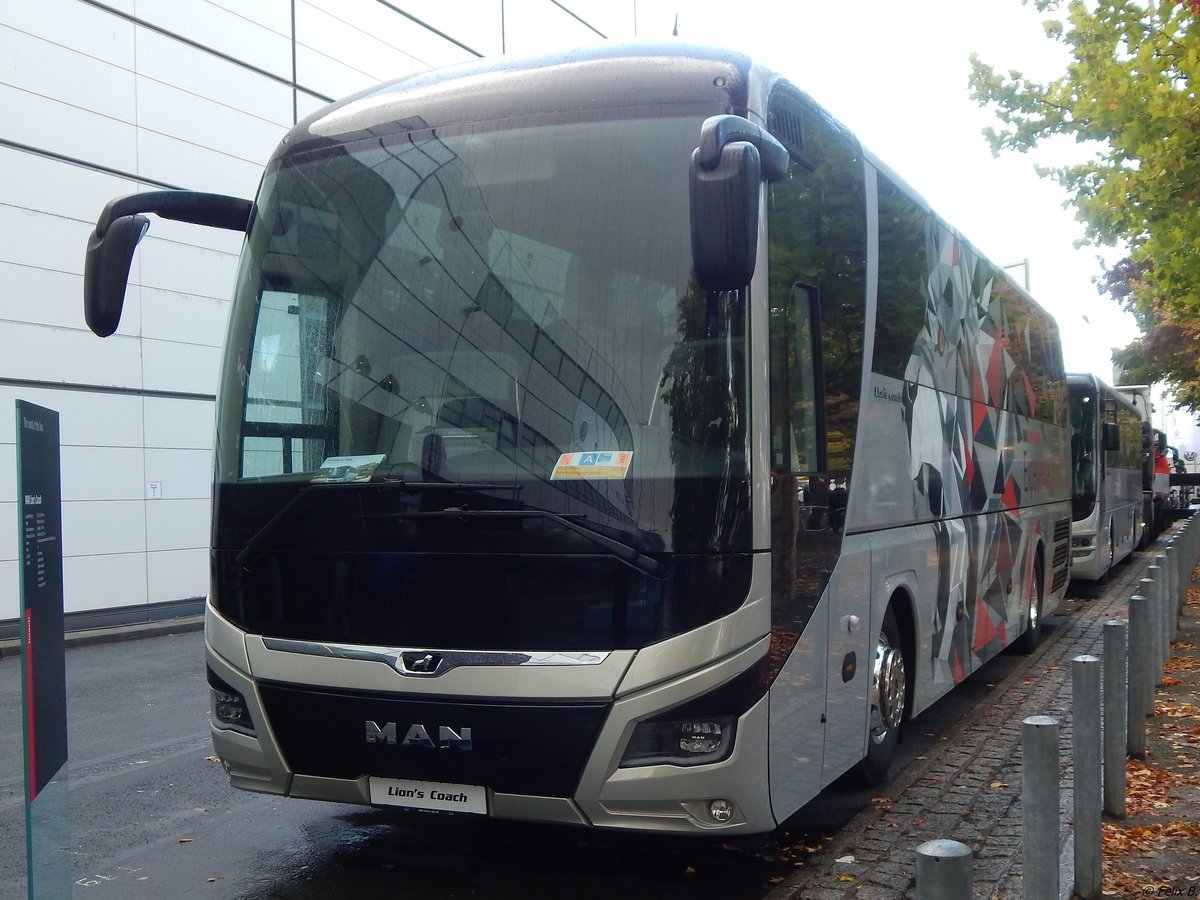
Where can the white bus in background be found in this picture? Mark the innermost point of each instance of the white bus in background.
(1107, 477)
(559, 480)
(1155, 476)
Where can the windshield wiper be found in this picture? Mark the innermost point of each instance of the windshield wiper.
(308, 496)
(619, 550)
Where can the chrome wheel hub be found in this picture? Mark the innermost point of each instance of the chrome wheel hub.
(888, 690)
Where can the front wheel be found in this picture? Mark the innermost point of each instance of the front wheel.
(1033, 614)
(889, 700)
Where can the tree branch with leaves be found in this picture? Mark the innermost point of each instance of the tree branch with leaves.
(1129, 92)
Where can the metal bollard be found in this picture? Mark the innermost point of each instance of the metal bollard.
(1177, 576)
(1190, 549)
(1085, 749)
(1171, 596)
(1141, 678)
(943, 871)
(1039, 804)
(1116, 725)
(1154, 590)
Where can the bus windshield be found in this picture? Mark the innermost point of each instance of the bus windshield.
(1084, 452)
(506, 306)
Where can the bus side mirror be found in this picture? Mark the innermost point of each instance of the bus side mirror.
(121, 225)
(1112, 436)
(727, 169)
(725, 207)
(106, 272)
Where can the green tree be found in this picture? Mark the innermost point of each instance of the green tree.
(1130, 92)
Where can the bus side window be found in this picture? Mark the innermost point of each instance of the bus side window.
(797, 431)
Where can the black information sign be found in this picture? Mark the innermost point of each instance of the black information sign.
(44, 674)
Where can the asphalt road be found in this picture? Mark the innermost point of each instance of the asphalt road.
(152, 814)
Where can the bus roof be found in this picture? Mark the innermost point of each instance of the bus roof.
(674, 76)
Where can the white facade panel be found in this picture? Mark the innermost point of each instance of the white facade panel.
(179, 424)
(9, 532)
(49, 186)
(188, 319)
(9, 548)
(532, 26)
(50, 70)
(8, 459)
(102, 473)
(201, 103)
(232, 33)
(85, 419)
(472, 22)
(176, 575)
(365, 50)
(306, 105)
(78, 26)
(59, 127)
(186, 368)
(34, 238)
(171, 62)
(68, 356)
(103, 527)
(40, 296)
(321, 73)
(186, 268)
(177, 524)
(386, 26)
(194, 167)
(179, 475)
(614, 20)
(274, 15)
(172, 111)
(10, 586)
(223, 240)
(103, 582)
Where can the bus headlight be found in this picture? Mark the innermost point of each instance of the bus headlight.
(687, 742)
(228, 706)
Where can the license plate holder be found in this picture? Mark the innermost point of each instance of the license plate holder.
(429, 795)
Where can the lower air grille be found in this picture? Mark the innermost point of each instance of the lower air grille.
(517, 748)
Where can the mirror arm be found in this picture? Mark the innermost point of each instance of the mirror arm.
(214, 210)
(718, 131)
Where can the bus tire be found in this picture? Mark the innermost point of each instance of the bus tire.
(889, 702)
(1032, 636)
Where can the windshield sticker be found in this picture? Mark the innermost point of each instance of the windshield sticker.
(338, 469)
(594, 464)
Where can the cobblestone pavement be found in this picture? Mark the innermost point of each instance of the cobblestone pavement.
(971, 791)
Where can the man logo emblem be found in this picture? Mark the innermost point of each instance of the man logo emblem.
(419, 736)
(421, 663)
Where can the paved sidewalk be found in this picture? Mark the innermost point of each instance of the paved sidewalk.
(970, 791)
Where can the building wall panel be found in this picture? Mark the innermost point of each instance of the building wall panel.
(234, 34)
(104, 581)
(176, 575)
(137, 95)
(58, 127)
(77, 26)
(177, 524)
(173, 424)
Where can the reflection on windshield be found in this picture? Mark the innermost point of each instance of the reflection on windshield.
(493, 306)
(1083, 451)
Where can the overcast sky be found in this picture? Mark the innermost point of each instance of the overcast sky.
(896, 73)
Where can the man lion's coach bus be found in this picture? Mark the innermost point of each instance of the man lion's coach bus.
(1106, 477)
(606, 439)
